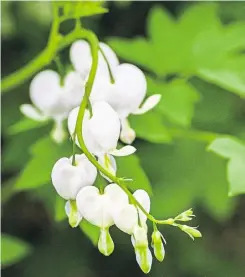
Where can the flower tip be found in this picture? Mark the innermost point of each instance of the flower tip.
(105, 243)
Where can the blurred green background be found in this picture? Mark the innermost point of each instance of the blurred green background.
(193, 54)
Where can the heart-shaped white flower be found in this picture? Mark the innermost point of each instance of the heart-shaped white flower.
(101, 131)
(97, 208)
(68, 179)
(53, 101)
(127, 218)
(125, 95)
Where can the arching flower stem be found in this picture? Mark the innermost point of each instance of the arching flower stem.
(94, 45)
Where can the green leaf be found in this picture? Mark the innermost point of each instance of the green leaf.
(196, 44)
(25, 124)
(178, 100)
(78, 9)
(234, 150)
(13, 250)
(149, 126)
(229, 74)
(91, 231)
(183, 174)
(129, 167)
(37, 172)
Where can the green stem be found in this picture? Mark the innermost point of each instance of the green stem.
(108, 66)
(94, 45)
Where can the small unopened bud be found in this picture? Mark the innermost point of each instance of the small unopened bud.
(185, 216)
(191, 231)
(157, 244)
(105, 244)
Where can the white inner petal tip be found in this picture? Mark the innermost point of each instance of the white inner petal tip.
(149, 104)
(31, 112)
(124, 151)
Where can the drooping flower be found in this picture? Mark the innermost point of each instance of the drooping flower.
(51, 100)
(125, 95)
(101, 133)
(81, 59)
(68, 179)
(97, 208)
(158, 245)
(131, 220)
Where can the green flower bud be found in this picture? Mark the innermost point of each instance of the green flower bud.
(157, 244)
(191, 231)
(185, 216)
(105, 244)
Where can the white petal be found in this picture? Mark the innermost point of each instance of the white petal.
(129, 89)
(46, 94)
(109, 163)
(144, 199)
(124, 151)
(105, 127)
(117, 197)
(110, 56)
(30, 111)
(87, 166)
(94, 207)
(68, 179)
(127, 134)
(149, 104)
(74, 87)
(126, 218)
(81, 59)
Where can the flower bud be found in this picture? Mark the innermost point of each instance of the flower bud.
(191, 231)
(157, 244)
(105, 244)
(185, 216)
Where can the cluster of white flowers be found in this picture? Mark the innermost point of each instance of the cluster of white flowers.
(105, 208)
(122, 86)
(118, 91)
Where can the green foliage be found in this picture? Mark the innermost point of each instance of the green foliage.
(37, 172)
(195, 43)
(187, 173)
(78, 9)
(178, 100)
(155, 132)
(129, 167)
(13, 250)
(233, 150)
(25, 124)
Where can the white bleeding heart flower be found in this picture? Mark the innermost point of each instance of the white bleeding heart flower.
(125, 95)
(81, 58)
(101, 131)
(68, 179)
(132, 220)
(51, 100)
(98, 207)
